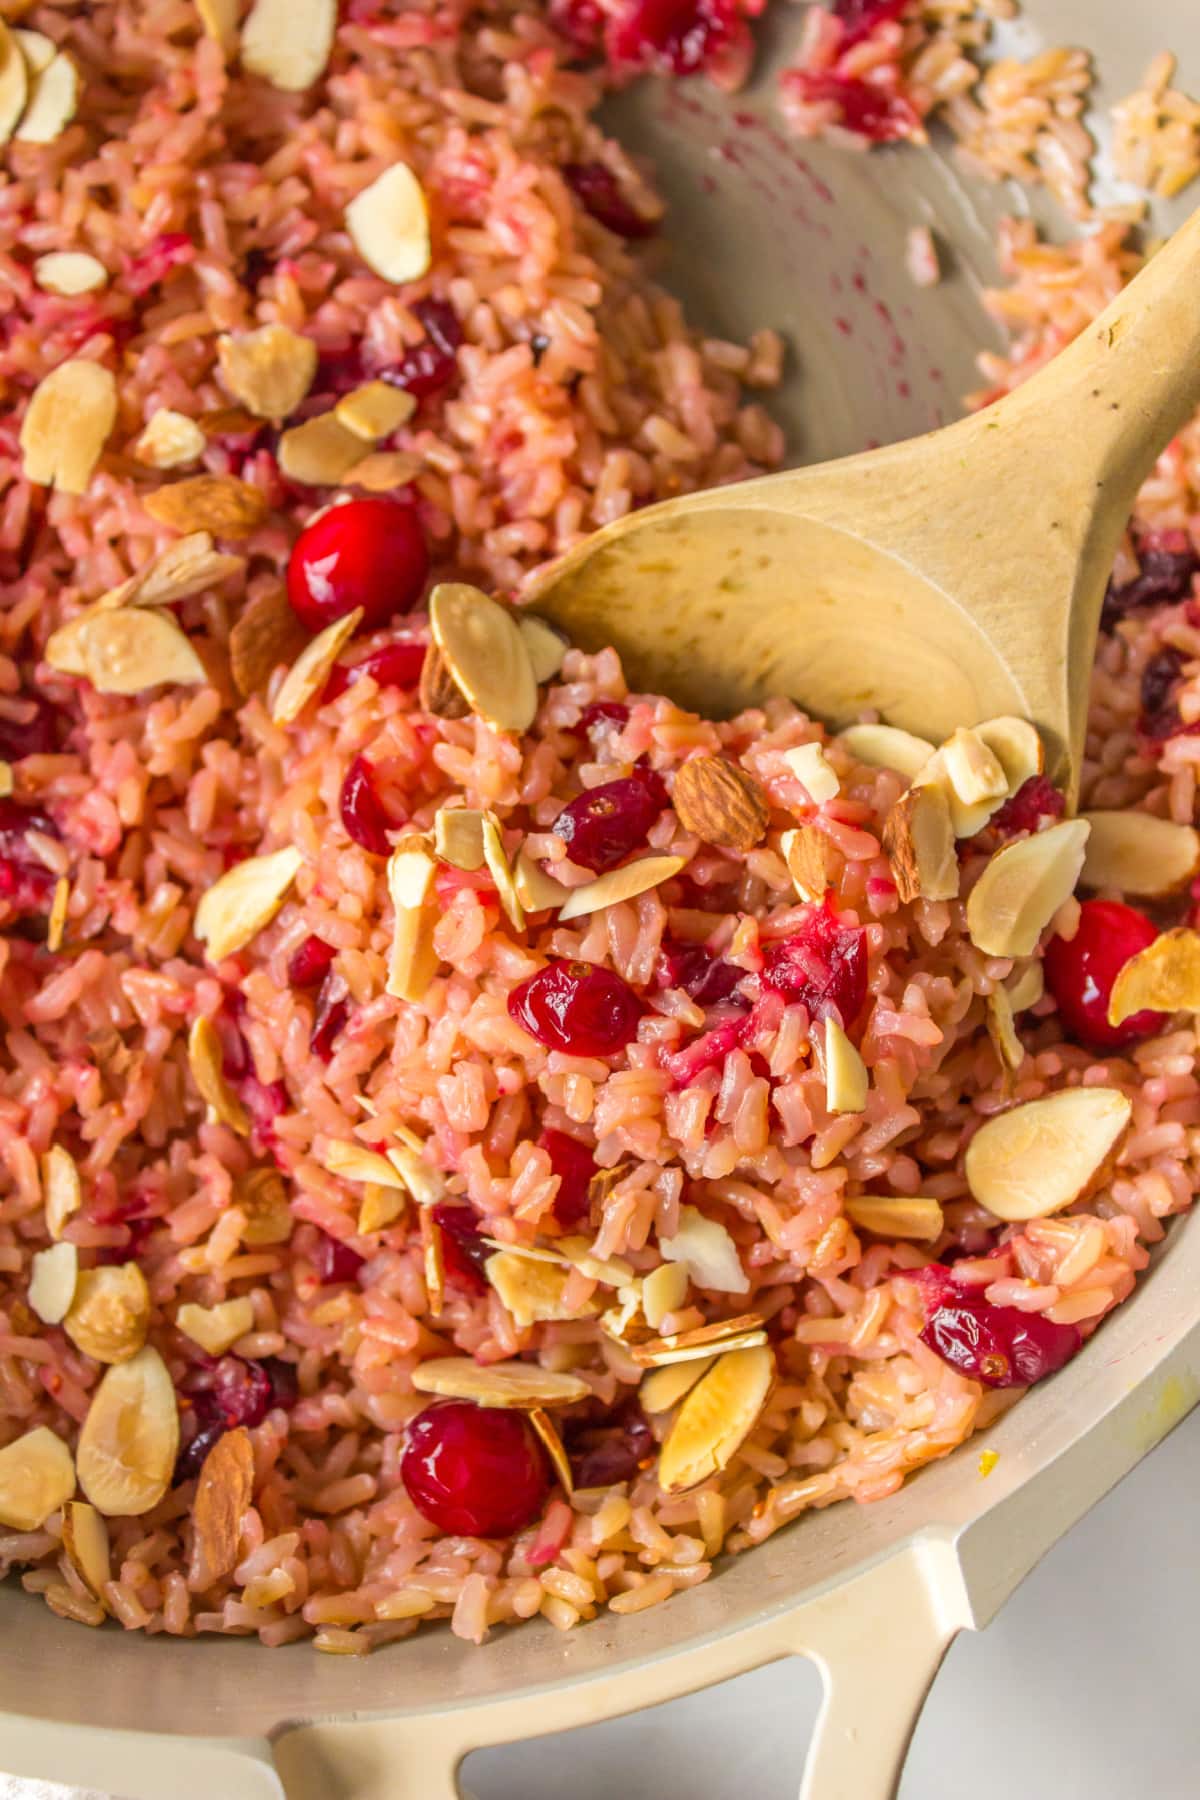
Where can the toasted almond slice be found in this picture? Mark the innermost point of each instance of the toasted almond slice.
(53, 97)
(243, 901)
(126, 652)
(318, 453)
(458, 837)
(814, 771)
(1138, 853)
(434, 1257)
(426, 1184)
(6, 779)
(413, 959)
(624, 1321)
(169, 440)
(67, 424)
(110, 1312)
(354, 1162)
(223, 1494)
(498, 868)
(533, 1291)
(383, 471)
(966, 818)
(1016, 746)
(69, 272)
(266, 634)
(61, 1188)
(1035, 1159)
(620, 884)
(52, 1282)
(665, 1386)
(438, 692)
(188, 566)
(707, 1337)
(261, 1195)
(811, 861)
(130, 1438)
(613, 1271)
(228, 421)
(847, 1083)
(56, 924)
(36, 1477)
(716, 1418)
(375, 410)
(918, 836)
(309, 673)
(389, 225)
(37, 49)
(1002, 1030)
(206, 1061)
(288, 42)
(546, 646)
(554, 1447)
(537, 891)
(664, 1291)
(709, 1252)
(85, 1544)
(222, 504)
(972, 769)
(509, 1384)
(270, 369)
(220, 21)
(657, 1353)
(1026, 988)
(895, 1216)
(1022, 888)
(485, 655)
(1164, 977)
(216, 1328)
(380, 1207)
(887, 747)
(721, 803)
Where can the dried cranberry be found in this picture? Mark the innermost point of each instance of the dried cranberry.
(335, 1261)
(310, 962)
(463, 1249)
(393, 665)
(823, 965)
(705, 978)
(998, 1345)
(1160, 677)
(861, 17)
(37, 735)
(190, 1460)
(871, 111)
(474, 1471)
(574, 1164)
(264, 1101)
(604, 825)
(677, 37)
(577, 1007)
(1080, 973)
(600, 194)
(368, 553)
(285, 1384)
(581, 22)
(1164, 578)
(615, 1451)
(232, 1391)
(339, 371)
(600, 718)
(1034, 800)
(329, 1019)
(170, 250)
(363, 813)
(430, 366)
(25, 882)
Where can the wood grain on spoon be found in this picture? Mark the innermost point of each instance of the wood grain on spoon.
(943, 580)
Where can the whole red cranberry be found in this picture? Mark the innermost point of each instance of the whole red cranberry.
(1080, 973)
(998, 1345)
(364, 815)
(369, 553)
(823, 965)
(474, 1471)
(577, 1007)
(574, 1164)
(705, 978)
(604, 825)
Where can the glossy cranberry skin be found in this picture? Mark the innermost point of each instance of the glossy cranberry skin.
(1164, 577)
(604, 825)
(233, 1390)
(25, 882)
(463, 1250)
(369, 553)
(329, 1019)
(823, 966)
(1160, 678)
(335, 1261)
(861, 17)
(474, 1471)
(36, 736)
(574, 1164)
(1034, 800)
(430, 366)
(1080, 973)
(577, 1007)
(998, 1345)
(393, 665)
(310, 963)
(363, 813)
(190, 1460)
(872, 112)
(615, 1451)
(600, 718)
(598, 191)
(678, 37)
(705, 978)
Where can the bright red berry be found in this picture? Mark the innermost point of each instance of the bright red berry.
(823, 965)
(600, 193)
(463, 1249)
(577, 1007)
(335, 1261)
(604, 825)
(364, 815)
(998, 1345)
(397, 664)
(574, 1164)
(474, 1471)
(369, 553)
(310, 962)
(1080, 973)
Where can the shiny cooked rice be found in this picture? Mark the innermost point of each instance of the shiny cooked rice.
(154, 800)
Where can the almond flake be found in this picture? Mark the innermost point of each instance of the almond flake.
(721, 803)
(510, 1384)
(224, 1491)
(718, 1334)
(383, 471)
(498, 868)
(973, 771)
(354, 1162)
(243, 901)
(811, 861)
(1137, 853)
(1002, 1031)
(169, 440)
(967, 819)
(67, 424)
(318, 453)
(57, 923)
(6, 779)
(1026, 988)
(126, 652)
(847, 1083)
(665, 1386)
(288, 42)
(69, 272)
(261, 1195)
(309, 673)
(110, 1312)
(660, 1353)
(918, 837)
(37, 49)
(709, 1252)
(425, 1183)
(1035, 1159)
(437, 691)
(546, 646)
(532, 1292)
(52, 1282)
(1022, 888)
(389, 225)
(887, 747)
(130, 1438)
(270, 369)
(206, 1061)
(216, 1328)
(222, 504)
(620, 884)
(188, 566)
(554, 1447)
(458, 837)
(14, 81)
(1164, 977)
(664, 1291)
(375, 410)
(36, 1477)
(433, 1255)
(1017, 748)
(381, 1206)
(265, 635)
(537, 891)
(613, 1271)
(413, 959)
(61, 1187)
(86, 1547)
(625, 1321)
(896, 1216)
(485, 655)
(53, 97)
(220, 21)
(813, 770)
(716, 1418)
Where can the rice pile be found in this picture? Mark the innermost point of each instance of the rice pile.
(216, 203)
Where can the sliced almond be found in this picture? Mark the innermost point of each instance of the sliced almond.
(847, 1083)
(261, 1195)
(37, 49)
(426, 1184)
(413, 960)
(973, 770)
(485, 655)
(458, 837)
(887, 747)
(1164, 977)
(433, 1253)
(899, 1216)
(438, 692)
(63, 651)
(718, 1334)
(110, 1312)
(85, 1545)
(537, 891)
(309, 673)
(383, 471)
(710, 1254)
(547, 647)
(266, 634)
(811, 861)
(1016, 746)
(613, 1271)
(188, 566)
(660, 1353)
(664, 1387)
(1035, 1159)
(354, 1162)
(288, 42)
(14, 81)
(554, 1447)
(37, 1476)
(1137, 853)
(169, 440)
(510, 1384)
(495, 857)
(1022, 888)
(532, 1292)
(224, 1491)
(380, 1207)
(216, 1328)
(1002, 1030)
(56, 924)
(721, 803)
(967, 818)
(52, 1282)
(620, 884)
(130, 1438)
(67, 424)
(222, 504)
(69, 272)
(6, 779)
(220, 21)
(53, 97)
(389, 225)
(1026, 988)
(375, 410)
(716, 1418)
(918, 836)
(206, 1060)
(624, 1321)
(270, 369)
(61, 1188)
(127, 652)
(243, 901)
(814, 771)
(664, 1291)
(318, 453)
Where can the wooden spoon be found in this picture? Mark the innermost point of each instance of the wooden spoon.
(941, 581)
